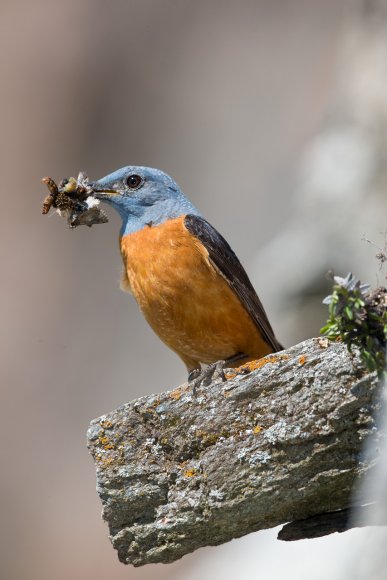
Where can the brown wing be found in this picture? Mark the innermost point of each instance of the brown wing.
(227, 263)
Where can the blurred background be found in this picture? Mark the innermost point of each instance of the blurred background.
(272, 117)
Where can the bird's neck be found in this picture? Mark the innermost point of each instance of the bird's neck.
(142, 216)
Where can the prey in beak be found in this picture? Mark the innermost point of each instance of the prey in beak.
(75, 200)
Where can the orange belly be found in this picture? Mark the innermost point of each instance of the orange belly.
(185, 300)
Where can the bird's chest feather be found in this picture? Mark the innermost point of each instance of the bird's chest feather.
(184, 298)
(164, 267)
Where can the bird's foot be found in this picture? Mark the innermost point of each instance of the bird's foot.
(204, 377)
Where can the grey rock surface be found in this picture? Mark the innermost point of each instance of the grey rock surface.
(283, 442)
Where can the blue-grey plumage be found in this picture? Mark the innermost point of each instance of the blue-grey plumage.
(153, 200)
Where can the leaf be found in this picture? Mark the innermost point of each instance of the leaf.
(328, 299)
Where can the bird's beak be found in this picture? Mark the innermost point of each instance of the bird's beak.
(101, 192)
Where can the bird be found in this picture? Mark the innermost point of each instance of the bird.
(188, 282)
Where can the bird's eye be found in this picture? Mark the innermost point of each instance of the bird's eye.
(133, 181)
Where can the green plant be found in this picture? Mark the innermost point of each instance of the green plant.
(358, 317)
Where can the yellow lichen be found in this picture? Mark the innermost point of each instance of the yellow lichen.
(106, 458)
(190, 472)
(257, 429)
(257, 364)
(175, 395)
(105, 442)
(104, 461)
(107, 461)
(302, 360)
(106, 424)
(207, 439)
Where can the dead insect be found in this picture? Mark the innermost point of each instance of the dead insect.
(63, 202)
(74, 199)
(50, 198)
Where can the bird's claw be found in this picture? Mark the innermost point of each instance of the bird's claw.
(204, 377)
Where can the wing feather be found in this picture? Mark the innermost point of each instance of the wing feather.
(226, 262)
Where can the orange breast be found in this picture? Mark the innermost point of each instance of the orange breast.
(185, 300)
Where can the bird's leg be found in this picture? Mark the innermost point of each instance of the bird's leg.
(204, 377)
(194, 374)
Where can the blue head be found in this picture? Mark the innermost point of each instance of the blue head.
(142, 196)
